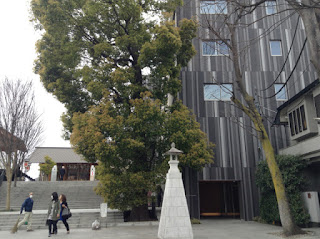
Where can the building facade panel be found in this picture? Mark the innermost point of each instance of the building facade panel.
(238, 150)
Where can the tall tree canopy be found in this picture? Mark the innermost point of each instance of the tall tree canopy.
(113, 68)
(89, 47)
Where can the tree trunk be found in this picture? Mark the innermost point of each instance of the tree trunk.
(15, 176)
(140, 213)
(288, 224)
(15, 167)
(9, 180)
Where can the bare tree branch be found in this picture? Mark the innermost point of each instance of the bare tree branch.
(20, 126)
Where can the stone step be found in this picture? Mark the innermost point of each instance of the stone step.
(78, 220)
(82, 200)
(80, 194)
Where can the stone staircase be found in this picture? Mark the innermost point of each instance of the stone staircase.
(82, 200)
(80, 194)
(81, 218)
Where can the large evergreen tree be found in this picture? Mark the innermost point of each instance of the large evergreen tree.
(113, 68)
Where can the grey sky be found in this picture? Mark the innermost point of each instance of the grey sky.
(17, 54)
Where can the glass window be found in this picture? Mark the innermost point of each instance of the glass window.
(212, 92)
(299, 120)
(317, 105)
(217, 91)
(295, 122)
(303, 118)
(223, 49)
(271, 7)
(213, 7)
(226, 91)
(208, 48)
(214, 48)
(291, 124)
(282, 95)
(275, 48)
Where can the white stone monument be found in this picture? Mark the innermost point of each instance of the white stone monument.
(92, 173)
(103, 210)
(175, 220)
(54, 172)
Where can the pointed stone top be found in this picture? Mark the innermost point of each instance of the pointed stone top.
(173, 150)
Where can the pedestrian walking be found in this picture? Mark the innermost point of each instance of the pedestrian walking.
(53, 214)
(64, 212)
(27, 206)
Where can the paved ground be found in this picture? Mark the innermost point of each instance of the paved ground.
(45, 211)
(220, 229)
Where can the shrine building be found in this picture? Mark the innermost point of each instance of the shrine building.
(76, 168)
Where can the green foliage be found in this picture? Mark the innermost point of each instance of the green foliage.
(93, 56)
(90, 47)
(46, 167)
(133, 162)
(291, 168)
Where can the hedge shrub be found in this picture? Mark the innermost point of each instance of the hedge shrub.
(291, 167)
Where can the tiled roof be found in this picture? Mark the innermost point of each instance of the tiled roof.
(57, 154)
(10, 142)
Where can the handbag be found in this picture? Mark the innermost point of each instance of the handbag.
(66, 213)
(69, 213)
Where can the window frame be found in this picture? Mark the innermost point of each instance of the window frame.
(214, 7)
(221, 87)
(216, 47)
(303, 118)
(316, 101)
(280, 46)
(268, 7)
(280, 93)
(297, 121)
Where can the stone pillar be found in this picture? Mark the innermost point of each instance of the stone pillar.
(54, 173)
(175, 220)
(103, 209)
(92, 173)
(170, 99)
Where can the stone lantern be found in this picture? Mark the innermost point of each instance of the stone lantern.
(174, 220)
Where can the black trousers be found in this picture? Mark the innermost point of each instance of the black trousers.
(64, 220)
(54, 224)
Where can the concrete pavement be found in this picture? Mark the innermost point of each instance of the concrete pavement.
(215, 228)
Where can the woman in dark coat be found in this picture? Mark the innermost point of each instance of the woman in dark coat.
(64, 206)
(53, 214)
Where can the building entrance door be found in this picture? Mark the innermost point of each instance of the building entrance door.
(76, 172)
(219, 199)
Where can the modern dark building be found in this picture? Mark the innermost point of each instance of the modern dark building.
(227, 187)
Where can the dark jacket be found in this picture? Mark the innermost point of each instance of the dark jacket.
(62, 172)
(27, 205)
(63, 208)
